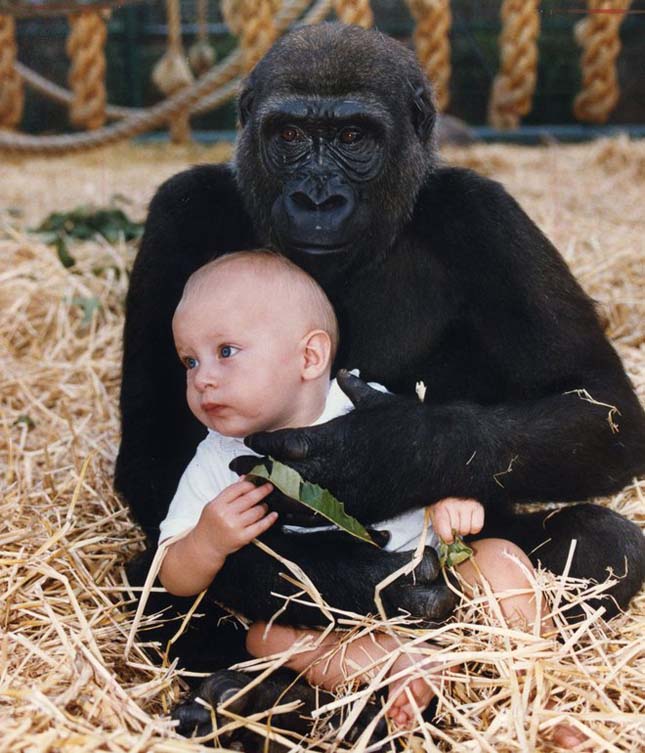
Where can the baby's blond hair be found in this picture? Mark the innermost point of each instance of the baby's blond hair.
(319, 311)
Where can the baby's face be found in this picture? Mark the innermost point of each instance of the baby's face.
(241, 350)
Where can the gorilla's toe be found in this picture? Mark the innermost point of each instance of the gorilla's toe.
(195, 717)
(432, 603)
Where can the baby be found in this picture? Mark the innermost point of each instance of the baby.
(255, 364)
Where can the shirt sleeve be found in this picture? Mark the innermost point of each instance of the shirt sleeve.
(204, 478)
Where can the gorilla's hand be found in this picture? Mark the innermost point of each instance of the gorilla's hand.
(369, 458)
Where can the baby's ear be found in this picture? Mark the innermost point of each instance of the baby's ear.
(316, 350)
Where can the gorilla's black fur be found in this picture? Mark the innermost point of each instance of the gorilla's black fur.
(436, 275)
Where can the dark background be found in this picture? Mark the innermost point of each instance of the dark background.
(136, 40)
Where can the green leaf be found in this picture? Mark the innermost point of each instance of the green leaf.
(66, 259)
(320, 500)
(89, 306)
(455, 553)
(25, 419)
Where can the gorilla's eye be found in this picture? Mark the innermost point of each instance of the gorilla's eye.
(350, 135)
(289, 133)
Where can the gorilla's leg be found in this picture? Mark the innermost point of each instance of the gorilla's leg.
(211, 640)
(605, 542)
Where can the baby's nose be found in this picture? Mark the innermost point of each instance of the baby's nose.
(205, 378)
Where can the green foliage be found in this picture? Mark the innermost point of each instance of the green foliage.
(455, 553)
(85, 223)
(88, 305)
(25, 419)
(320, 500)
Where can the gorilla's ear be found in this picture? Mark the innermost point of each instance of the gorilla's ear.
(423, 112)
(245, 104)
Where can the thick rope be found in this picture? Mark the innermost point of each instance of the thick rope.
(254, 22)
(317, 13)
(217, 86)
(432, 43)
(86, 50)
(201, 54)
(48, 8)
(514, 85)
(172, 73)
(598, 36)
(356, 12)
(12, 96)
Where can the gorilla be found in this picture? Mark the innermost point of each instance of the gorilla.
(436, 275)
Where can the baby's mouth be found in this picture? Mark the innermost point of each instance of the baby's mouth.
(213, 407)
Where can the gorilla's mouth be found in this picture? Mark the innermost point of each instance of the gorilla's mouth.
(319, 249)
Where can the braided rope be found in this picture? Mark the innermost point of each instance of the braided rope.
(172, 73)
(317, 13)
(598, 35)
(356, 12)
(432, 43)
(514, 85)
(254, 22)
(217, 86)
(201, 54)
(48, 8)
(12, 96)
(86, 50)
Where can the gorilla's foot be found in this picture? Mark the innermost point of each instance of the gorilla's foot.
(424, 593)
(195, 718)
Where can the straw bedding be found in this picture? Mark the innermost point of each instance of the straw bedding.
(66, 683)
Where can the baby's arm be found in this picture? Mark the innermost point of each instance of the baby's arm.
(453, 516)
(227, 523)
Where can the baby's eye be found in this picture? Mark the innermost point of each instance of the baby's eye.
(189, 362)
(227, 351)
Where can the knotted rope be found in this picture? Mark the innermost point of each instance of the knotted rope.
(86, 50)
(201, 54)
(597, 34)
(172, 73)
(356, 12)
(11, 89)
(512, 92)
(214, 88)
(432, 43)
(254, 22)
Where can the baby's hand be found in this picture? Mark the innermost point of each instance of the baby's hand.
(234, 518)
(454, 516)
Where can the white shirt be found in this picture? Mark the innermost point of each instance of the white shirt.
(208, 474)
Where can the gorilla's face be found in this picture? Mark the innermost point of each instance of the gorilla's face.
(335, 145)
(324, 153)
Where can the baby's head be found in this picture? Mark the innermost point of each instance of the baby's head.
(257, 336)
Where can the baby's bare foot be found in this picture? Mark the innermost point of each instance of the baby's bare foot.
(410, 694)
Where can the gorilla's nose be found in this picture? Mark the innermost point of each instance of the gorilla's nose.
(307, 201)
(318, 208)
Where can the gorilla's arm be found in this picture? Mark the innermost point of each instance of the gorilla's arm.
(193, 216)
(536, 338)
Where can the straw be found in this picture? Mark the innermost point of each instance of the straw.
(73, 674)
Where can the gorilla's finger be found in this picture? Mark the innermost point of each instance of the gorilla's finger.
(244, 464)
(285, 444)
(358, 391)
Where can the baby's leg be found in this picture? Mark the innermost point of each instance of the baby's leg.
(329, 664)
(504, 573)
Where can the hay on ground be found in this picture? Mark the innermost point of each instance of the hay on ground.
(66, 682)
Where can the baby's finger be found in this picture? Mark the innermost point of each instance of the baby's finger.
(257, 512)
(477, 519)
(443, 525)
(257, 529)
(251, 497)
(232, 492)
